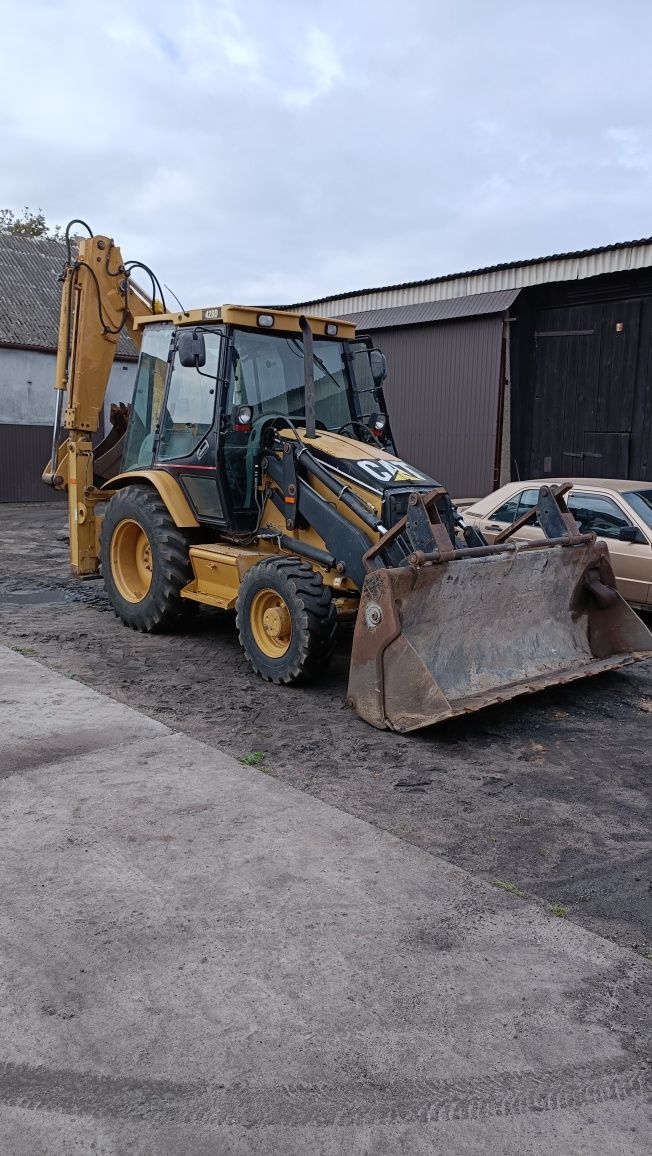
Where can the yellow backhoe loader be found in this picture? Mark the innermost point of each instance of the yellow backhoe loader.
(256, 471)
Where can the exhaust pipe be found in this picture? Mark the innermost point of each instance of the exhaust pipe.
(308, 376)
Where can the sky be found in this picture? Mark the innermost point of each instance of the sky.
(276, 151)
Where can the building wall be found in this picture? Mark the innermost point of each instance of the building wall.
(582, 398)
(577, 399)
(442, 392)
(27, 402)
(24, 452)
(26, 386)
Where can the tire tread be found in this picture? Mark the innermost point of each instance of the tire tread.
(163, 608)
(315, 616)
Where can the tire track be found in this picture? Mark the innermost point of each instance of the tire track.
(356, 1102)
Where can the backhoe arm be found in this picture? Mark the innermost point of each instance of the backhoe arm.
(98, 300)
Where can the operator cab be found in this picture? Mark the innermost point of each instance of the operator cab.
(206, 393)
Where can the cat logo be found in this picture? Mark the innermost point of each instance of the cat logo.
(407, 476)
(391, 470)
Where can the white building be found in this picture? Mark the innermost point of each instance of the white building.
(30, 294)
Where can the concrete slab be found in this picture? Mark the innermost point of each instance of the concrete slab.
(45, 714)
(197, 958)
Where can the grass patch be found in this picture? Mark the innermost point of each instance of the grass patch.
(513, 888)
(28, 651)
(253, 759)
(559, 910)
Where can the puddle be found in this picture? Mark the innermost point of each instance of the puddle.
(32, 597)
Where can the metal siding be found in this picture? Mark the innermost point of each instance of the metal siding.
(442, 396)
(24, 452)
(623, 257)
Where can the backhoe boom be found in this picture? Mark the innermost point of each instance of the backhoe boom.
(98, 300)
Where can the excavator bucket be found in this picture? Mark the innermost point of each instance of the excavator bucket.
(108, 454)
(455, 631)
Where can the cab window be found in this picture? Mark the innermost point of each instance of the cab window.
(267, 374)
(190, 404)
(149, 391)
(601, 515)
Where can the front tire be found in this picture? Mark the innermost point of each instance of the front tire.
(286, 620)
(145, 561)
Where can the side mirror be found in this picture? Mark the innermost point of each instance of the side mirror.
(191, 348)
(378, 366)
(631, 534)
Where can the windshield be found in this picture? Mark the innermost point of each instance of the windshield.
(267, 374)
(149, 392)
(641, 503)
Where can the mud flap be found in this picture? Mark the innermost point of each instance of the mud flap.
(447, 638)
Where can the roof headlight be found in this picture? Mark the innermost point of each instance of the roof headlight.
(266, 320)
(330, 329)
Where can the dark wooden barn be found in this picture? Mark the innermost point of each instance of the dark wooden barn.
(581, 378)
(527, 369)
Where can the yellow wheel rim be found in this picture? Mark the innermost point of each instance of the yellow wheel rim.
(271, 623)
(131, 560)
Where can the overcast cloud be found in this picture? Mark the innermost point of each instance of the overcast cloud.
(276, 151)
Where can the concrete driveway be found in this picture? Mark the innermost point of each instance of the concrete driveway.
(197, 958)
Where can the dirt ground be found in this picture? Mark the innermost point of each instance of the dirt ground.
(549, 794)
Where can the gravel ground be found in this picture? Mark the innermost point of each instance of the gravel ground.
(549, 794)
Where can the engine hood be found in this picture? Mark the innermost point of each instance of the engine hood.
(367, 465)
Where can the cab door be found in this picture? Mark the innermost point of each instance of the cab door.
(187, 438)
(147, 400)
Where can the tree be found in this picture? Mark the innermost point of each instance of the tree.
(29, 224)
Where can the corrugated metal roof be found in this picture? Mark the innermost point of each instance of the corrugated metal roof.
(30, 293)
(622, 256)
(477, 305)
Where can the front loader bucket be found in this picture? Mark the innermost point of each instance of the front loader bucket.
(442, 639)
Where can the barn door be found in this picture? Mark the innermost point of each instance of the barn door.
(603, 455)
(585, 359)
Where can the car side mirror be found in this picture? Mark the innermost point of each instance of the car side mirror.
(191, 348)
(378, 366)
(631, 534)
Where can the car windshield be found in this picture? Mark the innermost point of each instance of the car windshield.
(641, 503)
(267, 374)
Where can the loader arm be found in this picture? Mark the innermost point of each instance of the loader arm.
(98, 300)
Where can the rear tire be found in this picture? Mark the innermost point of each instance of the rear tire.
(145, 561)
(286, 620)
